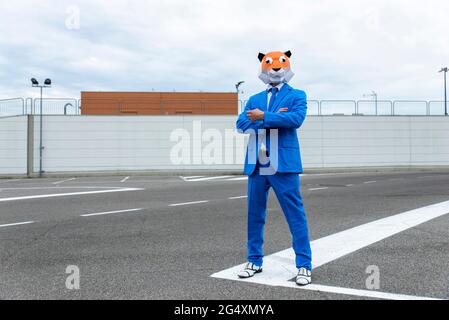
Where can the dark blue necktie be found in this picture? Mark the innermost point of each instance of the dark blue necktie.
(274, 92)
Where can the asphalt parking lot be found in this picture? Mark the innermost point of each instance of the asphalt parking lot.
(155, 237)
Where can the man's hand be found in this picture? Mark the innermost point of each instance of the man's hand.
(281, 110)
(255, 115)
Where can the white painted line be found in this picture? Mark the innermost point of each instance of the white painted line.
(191, 177)
(316, 189)
(124, 180)
(238, 179)
(331, 174)
(353, 292)
(59, 188)
(279, 268)
(11, 180)
(15, 224)
(364, 293)
(62, 181)
(187, 203)
(235, 198)
(110, 212)
(67, 194)
(369, 182)
(349, 185)
(208, 178)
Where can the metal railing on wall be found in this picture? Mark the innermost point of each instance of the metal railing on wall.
(410, 107)
(72, 106)
(57, 106)
(12, 107)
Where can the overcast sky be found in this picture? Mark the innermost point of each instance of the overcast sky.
(341, 49)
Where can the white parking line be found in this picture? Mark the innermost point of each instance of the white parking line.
(369, 182)
(10, 180)
(191, 177)
(316, 189)
(62, 181)
(68, 194)
(209, 178)
(188, 203)
(124, 180)
(58, 188)
(110, 212)
(238, 179)
(279, 268)
(235, 198)
(15, 224)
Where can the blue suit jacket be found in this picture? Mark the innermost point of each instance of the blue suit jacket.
(289, 156)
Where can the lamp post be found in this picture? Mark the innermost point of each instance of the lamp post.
(445, 89)
(373, 94)
(237, 88)
(35, 84)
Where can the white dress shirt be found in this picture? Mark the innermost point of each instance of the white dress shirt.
(263, 156)
(279, 86)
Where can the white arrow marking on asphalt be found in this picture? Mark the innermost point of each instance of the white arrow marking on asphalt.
(279, 268)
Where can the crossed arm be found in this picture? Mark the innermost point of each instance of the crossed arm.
(253, 119)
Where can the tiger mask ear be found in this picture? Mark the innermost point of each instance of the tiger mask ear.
(261, 56)
(288, 53)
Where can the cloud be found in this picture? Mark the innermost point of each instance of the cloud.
(340, 49)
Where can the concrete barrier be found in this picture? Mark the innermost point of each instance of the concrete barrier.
(13, 145)
(87, 144)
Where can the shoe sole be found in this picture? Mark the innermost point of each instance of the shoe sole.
(304, 284)
(260, 271)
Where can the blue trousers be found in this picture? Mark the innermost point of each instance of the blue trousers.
(286, 188)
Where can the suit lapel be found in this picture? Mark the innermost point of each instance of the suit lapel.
(281, 95)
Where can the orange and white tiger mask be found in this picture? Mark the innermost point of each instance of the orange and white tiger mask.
(276, 67)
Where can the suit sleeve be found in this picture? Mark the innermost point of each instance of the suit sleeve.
(244, 124)
(294, 118)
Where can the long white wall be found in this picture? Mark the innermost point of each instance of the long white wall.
(375, 141)
(108, 143)
(13, 145)
(99, 143)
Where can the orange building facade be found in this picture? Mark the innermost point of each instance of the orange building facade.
(158, 103)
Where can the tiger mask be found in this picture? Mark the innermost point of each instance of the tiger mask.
(275, 67)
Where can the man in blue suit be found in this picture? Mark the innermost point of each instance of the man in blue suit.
(273, 159)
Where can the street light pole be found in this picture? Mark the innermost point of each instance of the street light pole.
(375, 99)
(47, 84)
(41, 147)
(237, 88)
(445, 70)
(373, 95)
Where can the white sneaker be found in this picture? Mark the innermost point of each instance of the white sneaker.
(250, 270)
(304, 277)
